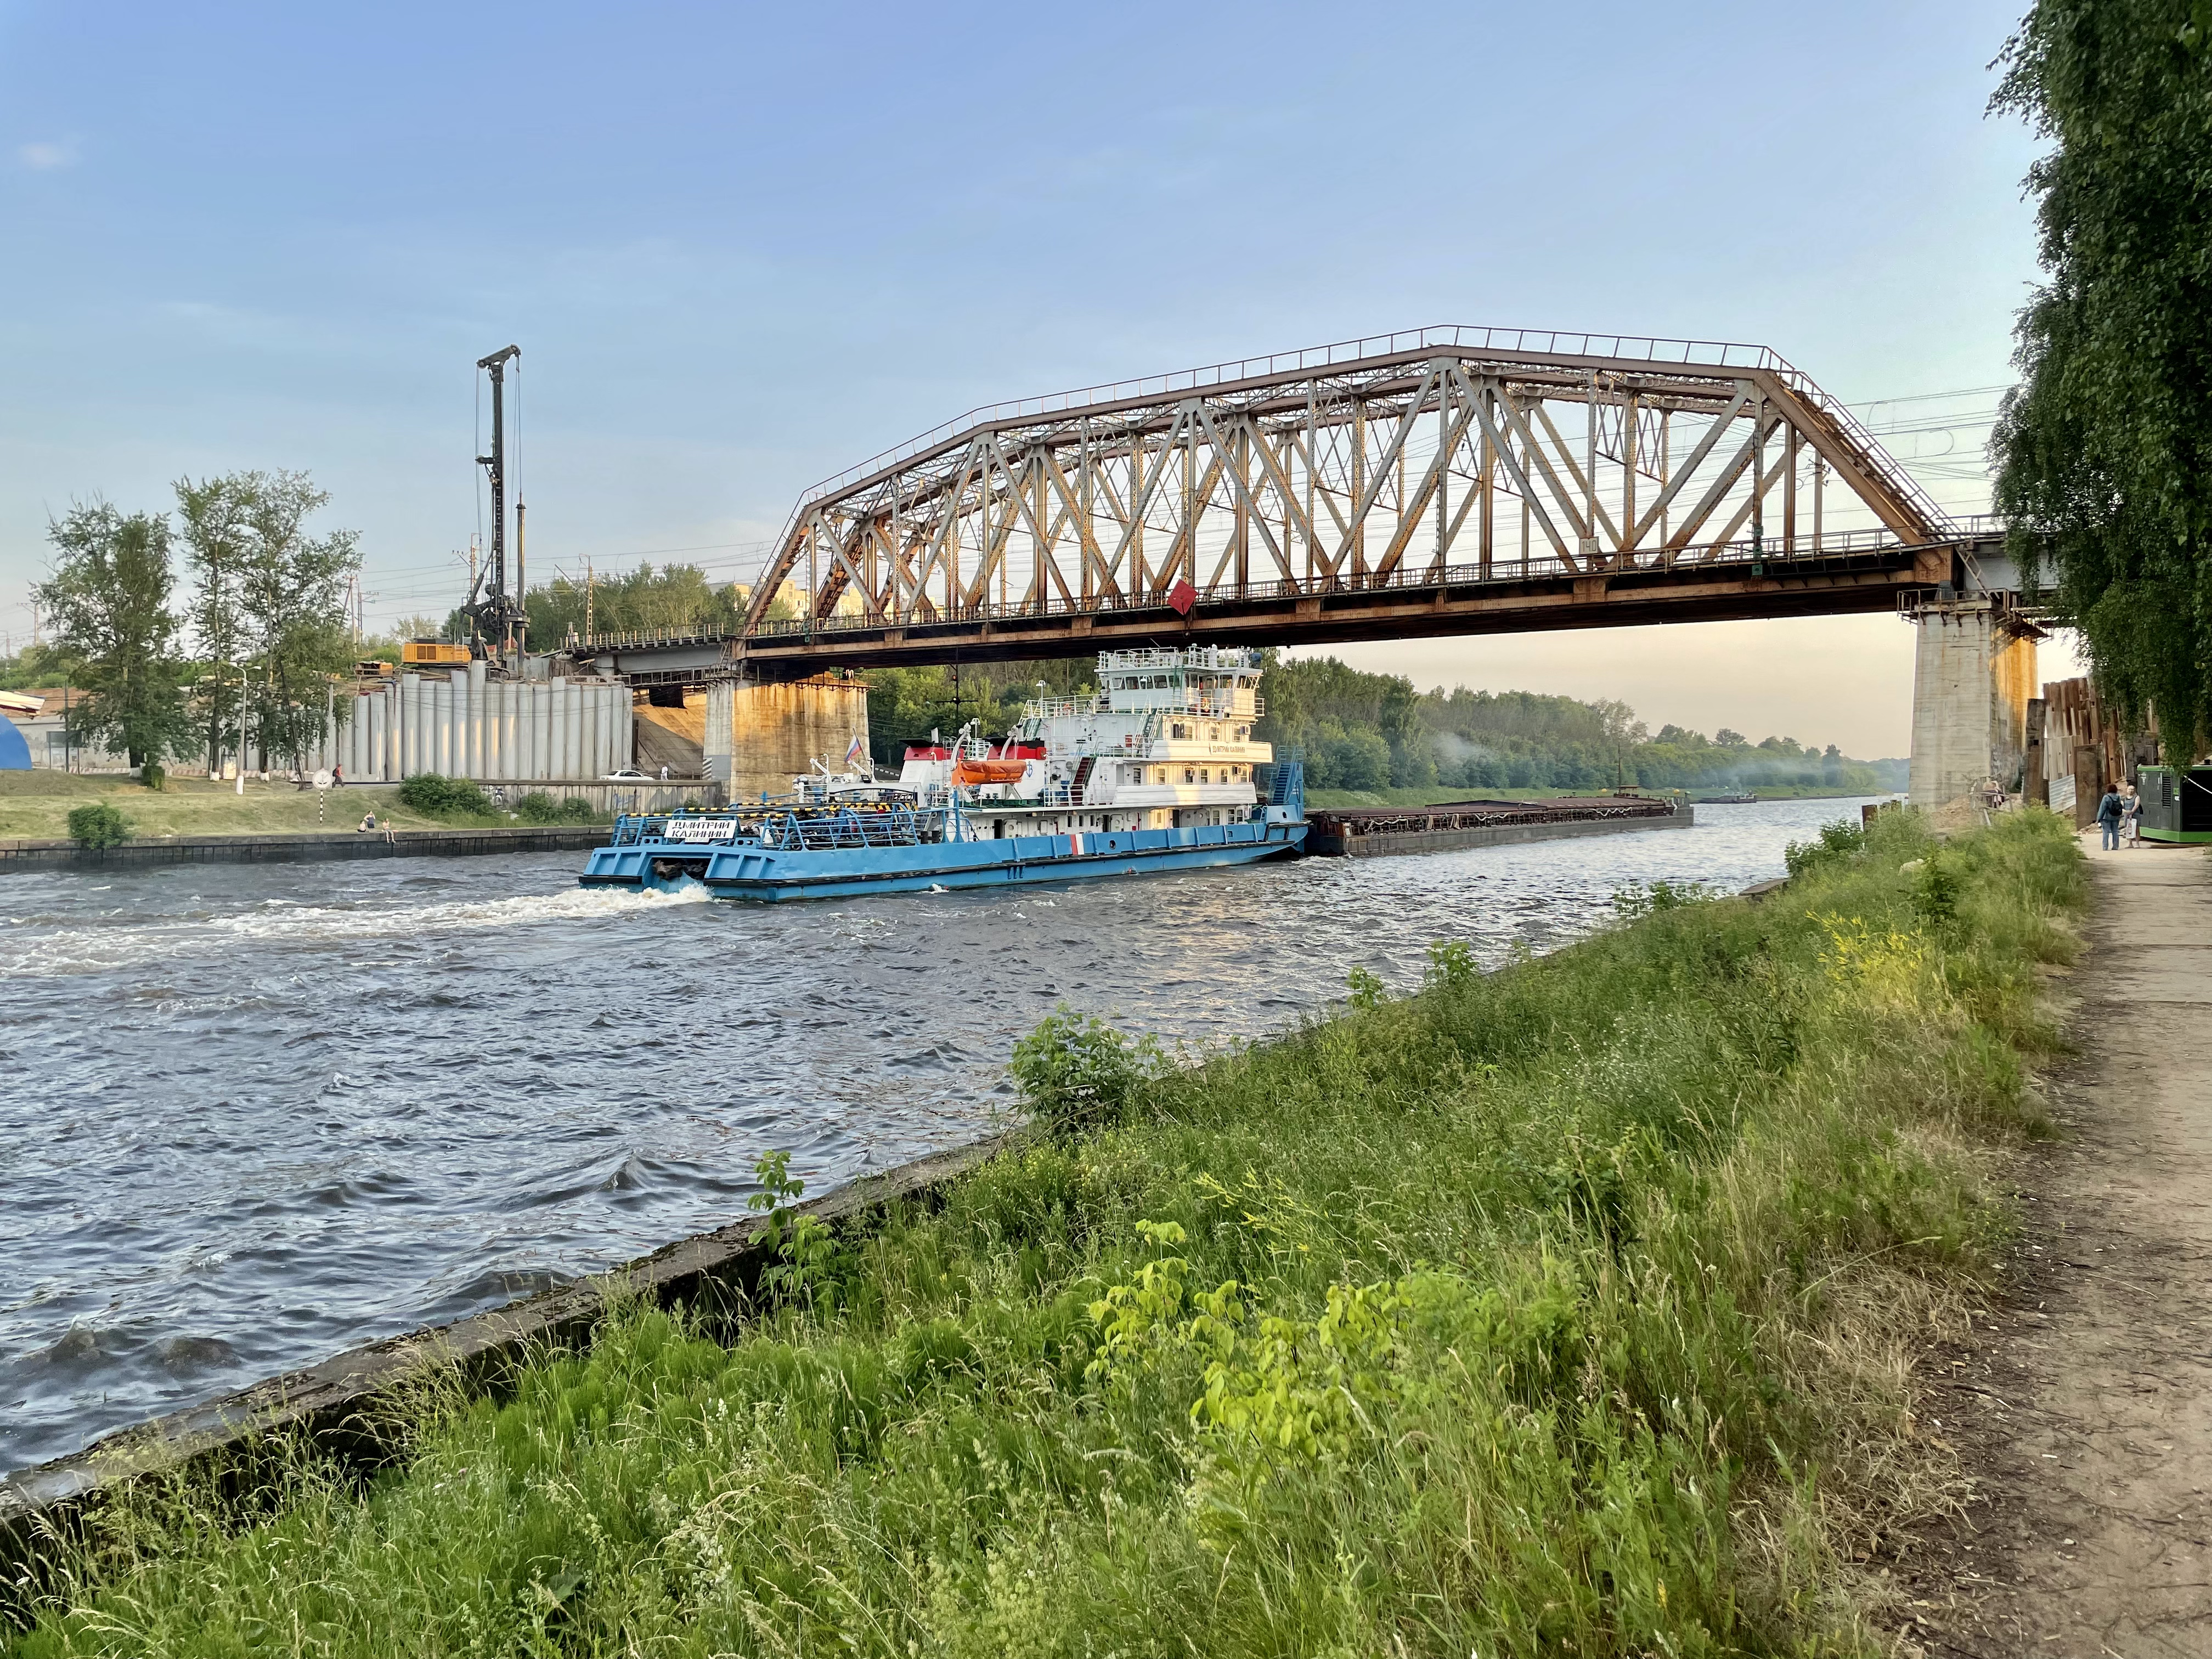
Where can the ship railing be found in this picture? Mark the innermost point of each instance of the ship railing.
(844, 828)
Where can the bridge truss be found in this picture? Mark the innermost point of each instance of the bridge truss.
(1478, 477)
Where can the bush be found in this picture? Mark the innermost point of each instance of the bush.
(538, 807)
(439, 797)
(1838, 841)
(152, 774)
(1076, 1071)
(98, 826)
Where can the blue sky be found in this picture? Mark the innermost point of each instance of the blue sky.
(743, 247)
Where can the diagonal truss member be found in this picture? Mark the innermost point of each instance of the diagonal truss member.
(1344, 466)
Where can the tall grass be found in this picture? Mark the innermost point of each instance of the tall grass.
(1564, 1310)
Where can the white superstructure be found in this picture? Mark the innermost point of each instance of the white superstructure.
(1165, 745)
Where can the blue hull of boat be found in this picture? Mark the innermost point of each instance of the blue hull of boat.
(747, 871)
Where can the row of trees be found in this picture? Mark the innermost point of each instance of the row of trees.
(1361, 730)
(241, 660)
(1365, 732)
(2104, 452)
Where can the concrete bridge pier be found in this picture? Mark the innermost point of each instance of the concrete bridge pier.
(717, 751)
(1974, 674)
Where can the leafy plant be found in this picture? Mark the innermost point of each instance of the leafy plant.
(539, 807)
(153, 775)
(1367, 990)
(1075, 1071)
(1840, 840)
(1451, 965)
(808, 1256)
(98, 826)
(436, 796)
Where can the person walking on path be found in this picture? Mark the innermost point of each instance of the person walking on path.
(2110, 811)
(2131, 807)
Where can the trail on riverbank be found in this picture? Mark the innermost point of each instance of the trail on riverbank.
(2086, 1404)
(1567, 1308)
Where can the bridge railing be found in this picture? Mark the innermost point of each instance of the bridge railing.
(1722, 353)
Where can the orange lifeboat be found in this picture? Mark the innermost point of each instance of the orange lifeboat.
(988, 771)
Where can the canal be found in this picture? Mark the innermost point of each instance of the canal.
(253, 1115)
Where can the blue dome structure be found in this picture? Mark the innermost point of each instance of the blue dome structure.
(14, 752)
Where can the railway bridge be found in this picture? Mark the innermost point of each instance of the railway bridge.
(1449, 481)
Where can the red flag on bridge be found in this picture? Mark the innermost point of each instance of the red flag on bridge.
(1182, 596)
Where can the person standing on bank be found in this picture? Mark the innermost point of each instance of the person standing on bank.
(2110, 811)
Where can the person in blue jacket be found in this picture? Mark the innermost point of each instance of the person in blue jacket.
(2110, 811)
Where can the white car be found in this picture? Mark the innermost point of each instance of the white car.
(628, 775)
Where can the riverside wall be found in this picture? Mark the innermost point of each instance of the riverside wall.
(25, 857)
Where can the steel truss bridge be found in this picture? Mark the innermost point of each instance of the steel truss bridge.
(1450, 480)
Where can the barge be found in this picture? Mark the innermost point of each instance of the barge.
(1365, 831)
(1158, 771)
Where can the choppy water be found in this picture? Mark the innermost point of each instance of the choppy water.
(253, 1115)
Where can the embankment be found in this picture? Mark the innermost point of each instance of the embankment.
(1567, 1308)
(21, 856)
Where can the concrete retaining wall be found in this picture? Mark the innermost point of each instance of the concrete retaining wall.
(464, 725)
(21, 856)
(334, 1403)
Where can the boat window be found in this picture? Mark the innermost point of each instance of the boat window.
(1190, 774)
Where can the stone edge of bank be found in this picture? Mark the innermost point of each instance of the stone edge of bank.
(328, 1402)
(22, 857)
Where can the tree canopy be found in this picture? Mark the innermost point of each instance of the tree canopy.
(2105, 449)
(108, 603)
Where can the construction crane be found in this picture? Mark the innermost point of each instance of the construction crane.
(498, 618)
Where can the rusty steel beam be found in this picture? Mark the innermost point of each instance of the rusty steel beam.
(1430, 603)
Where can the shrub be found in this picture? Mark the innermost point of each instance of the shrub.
(1839, 840)
(439, 797)
(538, 807)
(152, 774)
(1075, 1071)
(98, 826)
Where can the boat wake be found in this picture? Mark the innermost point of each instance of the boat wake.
(78, 949)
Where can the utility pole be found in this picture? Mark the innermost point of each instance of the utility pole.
(587, 601)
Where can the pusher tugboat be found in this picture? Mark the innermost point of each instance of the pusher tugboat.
(1158, 771)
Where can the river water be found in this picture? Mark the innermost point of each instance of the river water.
(252, 1115)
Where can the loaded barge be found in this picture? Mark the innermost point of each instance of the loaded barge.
(1158, 771)
(1364, 831)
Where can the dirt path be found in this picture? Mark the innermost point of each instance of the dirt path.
(2086, 1414)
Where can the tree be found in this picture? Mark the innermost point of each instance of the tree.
(271, 601)
(2105, 449)
(108, 601)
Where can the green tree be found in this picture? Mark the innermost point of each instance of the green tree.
(271, 605)
(2105, 449)
(108, 602)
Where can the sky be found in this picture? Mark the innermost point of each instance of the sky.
(743, 247)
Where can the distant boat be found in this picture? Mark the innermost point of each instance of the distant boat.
(1739, 798)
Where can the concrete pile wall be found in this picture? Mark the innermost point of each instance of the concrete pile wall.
(464, 726)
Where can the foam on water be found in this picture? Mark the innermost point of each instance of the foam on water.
(50, 944)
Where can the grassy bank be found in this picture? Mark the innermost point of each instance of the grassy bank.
(35, 805)
(1565, 1309)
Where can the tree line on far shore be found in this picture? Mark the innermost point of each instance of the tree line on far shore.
(1372, 731)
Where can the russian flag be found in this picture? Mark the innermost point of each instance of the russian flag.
(853, 753)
